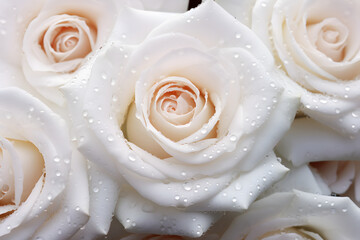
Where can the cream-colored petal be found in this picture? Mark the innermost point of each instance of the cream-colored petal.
(142, 216)
(306, 140)
(104, 192)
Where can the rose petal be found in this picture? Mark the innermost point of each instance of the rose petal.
(211, 14)
(140, 215)
(52, 141)
(246, 187)
(161, 5)
(302, 179)
(104, 193)
(13, 221)
(241, 10)
(298, 209)
(74, 210)
(15, 16)
(306, 140)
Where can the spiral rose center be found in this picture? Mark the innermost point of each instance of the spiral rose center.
(68, 38)
(177, 102)
(330, 37)
(173, 107)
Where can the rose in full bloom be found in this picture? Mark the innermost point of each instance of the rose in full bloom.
(297, 215)
(317, 45)
(188, 117)
(56, 38)
(39, 197)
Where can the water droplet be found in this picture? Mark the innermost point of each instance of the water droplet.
(264, 179)
(234, 200)
(177, 197)
(95, 189)
(236, 55)
(49, 197)
(114, 98)
(56, 159)
(132, 157)
(250, 193)
(59, 232)
(319, 205)
(77, 208)
(104, 76)
(248, 46)
(233, 138)
(187, 186)
(344, 210)
(58, 173)
(238, 36)
(238, 186)
(110, 138)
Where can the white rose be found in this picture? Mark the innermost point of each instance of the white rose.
(188, 117)
(56, 37)
(297, 215)
(317, 44)
(39, 197)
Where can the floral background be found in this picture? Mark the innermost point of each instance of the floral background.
(177, 119)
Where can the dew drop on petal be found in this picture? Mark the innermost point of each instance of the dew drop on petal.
(233, 138)
(132, 157)
(110, 138)
(187, 186)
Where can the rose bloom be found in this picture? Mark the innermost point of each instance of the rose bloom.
(186, 119)
(39, 198)
(56, 38)
(297, 215)
(317, 45)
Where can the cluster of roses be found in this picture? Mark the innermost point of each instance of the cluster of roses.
(142, 120)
